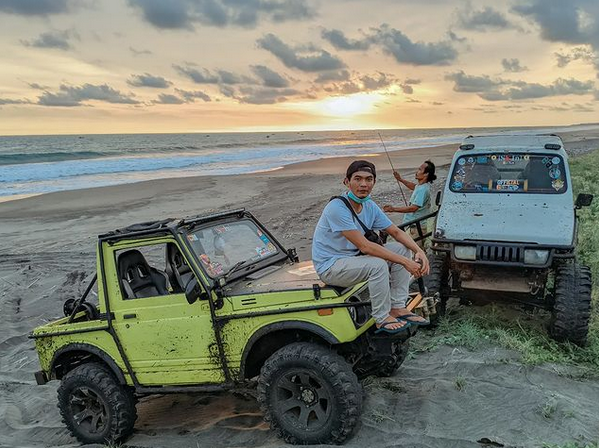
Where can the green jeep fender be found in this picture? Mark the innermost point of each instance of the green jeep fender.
(76, 351)
(270, 337)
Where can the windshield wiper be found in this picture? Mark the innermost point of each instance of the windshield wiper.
(236, 267)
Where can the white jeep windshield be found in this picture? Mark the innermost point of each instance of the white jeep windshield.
(221, 246)
(509, 173)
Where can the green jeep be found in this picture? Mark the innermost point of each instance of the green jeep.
(213, 303)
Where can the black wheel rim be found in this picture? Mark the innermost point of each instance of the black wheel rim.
(89, 411)
(303, 400)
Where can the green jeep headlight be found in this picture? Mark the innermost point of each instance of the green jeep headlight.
(534, 256)
(465, 252)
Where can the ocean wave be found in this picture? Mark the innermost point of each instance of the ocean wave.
(40, 157)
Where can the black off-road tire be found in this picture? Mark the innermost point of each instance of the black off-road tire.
(572, 303)
(94, 406)
(437, 282)
(305, 381)
(400, 353)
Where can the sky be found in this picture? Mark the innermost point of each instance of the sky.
(137, 66)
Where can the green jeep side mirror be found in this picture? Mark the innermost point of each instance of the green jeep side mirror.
(192, 290)
(583, 200)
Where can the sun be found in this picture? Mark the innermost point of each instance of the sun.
(347, 106)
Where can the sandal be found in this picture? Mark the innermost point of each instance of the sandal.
(383, 328)
(409, 317)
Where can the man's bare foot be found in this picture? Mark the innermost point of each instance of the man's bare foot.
(397, 312)
(390, 323)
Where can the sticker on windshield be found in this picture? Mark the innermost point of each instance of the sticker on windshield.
(493, 157)
(481, 159)
(221, 229)
(526, 157)
(192, 237)
(461, 161)
(457, 185)
(509, 184)
(265, 239)
(470, 160)
(555, 160)
(557, 184)
(555, 173)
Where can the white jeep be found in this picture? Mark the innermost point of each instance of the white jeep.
(507, 226)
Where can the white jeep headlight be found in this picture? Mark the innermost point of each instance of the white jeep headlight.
(465, 252)
(534, 256)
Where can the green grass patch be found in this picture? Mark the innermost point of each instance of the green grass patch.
(475, 327)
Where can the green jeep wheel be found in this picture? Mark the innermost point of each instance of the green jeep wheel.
(309, 395)
(94, 406)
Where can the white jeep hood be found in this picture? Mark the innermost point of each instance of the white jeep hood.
(540, 219)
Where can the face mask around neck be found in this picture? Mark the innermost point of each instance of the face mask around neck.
(355, 198)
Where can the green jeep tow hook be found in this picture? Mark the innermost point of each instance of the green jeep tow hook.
(209, 303)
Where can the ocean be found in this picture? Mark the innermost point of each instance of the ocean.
(31, 165)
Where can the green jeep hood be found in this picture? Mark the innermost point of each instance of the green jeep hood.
(287, 277)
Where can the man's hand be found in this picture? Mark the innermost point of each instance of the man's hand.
(422, 260)
(397, 175)
(388, 208)
(413, 268)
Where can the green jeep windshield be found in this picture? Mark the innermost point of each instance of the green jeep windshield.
(509, 173)
(221, 246)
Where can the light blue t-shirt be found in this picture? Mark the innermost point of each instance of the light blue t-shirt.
(329, 245)
(421, 196)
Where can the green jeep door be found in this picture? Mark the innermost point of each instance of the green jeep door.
(167, 340)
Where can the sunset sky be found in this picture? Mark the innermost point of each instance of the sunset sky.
(113, 66)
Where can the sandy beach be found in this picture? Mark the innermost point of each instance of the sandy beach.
(47, 253)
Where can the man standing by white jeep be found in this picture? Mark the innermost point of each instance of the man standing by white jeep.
(344, 256)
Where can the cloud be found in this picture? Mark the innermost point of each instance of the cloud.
(512, 65)
(305, 59)
(71, 96)
(472, 84)
(362, 83)
(333, 75)
(560, 86)
(35, 7)
(167, 98)
(226, 77)
(203, 76)
(577, 53)
(407, 89)
(397, 44)
(197, 76)
(573, 22)
(269, 77)
(183, 14)
(147, 80)
(52, 39)
(228, 91)
(36, 86)
(8, 101)
(260, 95)
(139, 52)
(400, 46)
(340, 42)
(502, 90)
(482, 20)
(191, 96)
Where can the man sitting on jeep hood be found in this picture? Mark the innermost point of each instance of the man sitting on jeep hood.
(339, 241)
